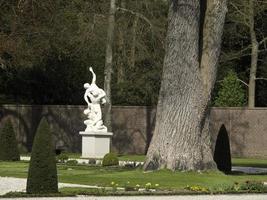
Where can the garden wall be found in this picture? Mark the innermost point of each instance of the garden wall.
(132, 127)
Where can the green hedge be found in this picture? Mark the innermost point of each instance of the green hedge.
(110, 159)
(8, 144)
(42, 175)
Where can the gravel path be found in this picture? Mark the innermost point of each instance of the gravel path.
(250, 170)
(199, 197)
(9, 184)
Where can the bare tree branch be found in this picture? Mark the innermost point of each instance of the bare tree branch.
(243, 82)
(137, 14)
(261, 79)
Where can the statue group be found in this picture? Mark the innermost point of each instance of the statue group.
(94, 97)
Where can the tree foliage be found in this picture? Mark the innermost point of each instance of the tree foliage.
(231, 92)
(237, 43)
(42, 174)
(8, 143)
(47, 43)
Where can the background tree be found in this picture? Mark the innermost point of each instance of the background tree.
(47, 43)
(53, 43)
(109, 63)
(181, 137)
(245, 27)
(231, 92)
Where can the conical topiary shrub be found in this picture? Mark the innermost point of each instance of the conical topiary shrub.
(42, 175)
(222, 153)
(8, 144)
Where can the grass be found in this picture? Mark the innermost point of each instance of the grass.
(249, 162)
(242, 162)
(104, 176)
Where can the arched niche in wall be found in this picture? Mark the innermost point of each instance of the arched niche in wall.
(222, 153)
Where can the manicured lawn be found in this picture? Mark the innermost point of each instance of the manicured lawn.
(104, 176)
(242, 162)
(249, 162)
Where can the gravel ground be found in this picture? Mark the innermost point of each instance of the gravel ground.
(8, 184)
(250, 170)
(199, 197)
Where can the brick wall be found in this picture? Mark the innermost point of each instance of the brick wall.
(132, 127)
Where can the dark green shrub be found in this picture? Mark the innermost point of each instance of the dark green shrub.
(92, 161)
(62, 158)
(42, 175)
(8, 144)
(253, 186)
(248, 187)
(222, 153)
(72, 162)
(110, 159)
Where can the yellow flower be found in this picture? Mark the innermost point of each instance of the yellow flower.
(156, 185)
(112, 183)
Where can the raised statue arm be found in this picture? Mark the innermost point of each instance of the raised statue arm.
(94, 76)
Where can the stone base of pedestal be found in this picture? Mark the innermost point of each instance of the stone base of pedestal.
(95, 144)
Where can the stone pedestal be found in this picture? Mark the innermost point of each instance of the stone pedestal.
(95, 144)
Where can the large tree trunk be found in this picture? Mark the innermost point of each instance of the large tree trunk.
(121, 49)
(108, 63)
(181, 138)
(254, 57)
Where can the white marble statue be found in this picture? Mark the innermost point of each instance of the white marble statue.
(94, 97)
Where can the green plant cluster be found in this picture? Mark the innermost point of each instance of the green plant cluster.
(42, 174)
(8, 144)
(62, 158)
(197, 188)
(72, 162)
(110, 159)
(92, 161)
(129, 187)
(249, 186)
(231, 92)
(243, 187)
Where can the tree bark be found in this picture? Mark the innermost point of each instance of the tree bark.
(181, 139)
(254, 57)
(121, 49)
(108, 63)
(212, 38)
